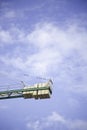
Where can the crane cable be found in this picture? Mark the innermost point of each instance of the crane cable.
(38, 77)
(27, 75)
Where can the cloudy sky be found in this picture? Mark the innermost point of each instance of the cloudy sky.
(46, 39)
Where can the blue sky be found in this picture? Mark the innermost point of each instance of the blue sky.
(48, 39)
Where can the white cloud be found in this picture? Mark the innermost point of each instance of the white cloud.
(12, 36)
(55, 120)
(34, 125)
(55, 117)
(5, 37)
(48, 35)
(53, 47)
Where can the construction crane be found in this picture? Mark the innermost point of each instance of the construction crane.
(36, 91)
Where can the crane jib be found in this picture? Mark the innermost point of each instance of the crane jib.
(37, 91)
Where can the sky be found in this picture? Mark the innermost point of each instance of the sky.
(44, 39)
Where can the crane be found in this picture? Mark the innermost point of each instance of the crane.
(36, 91)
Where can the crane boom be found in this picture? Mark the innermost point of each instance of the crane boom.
(37, 91)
